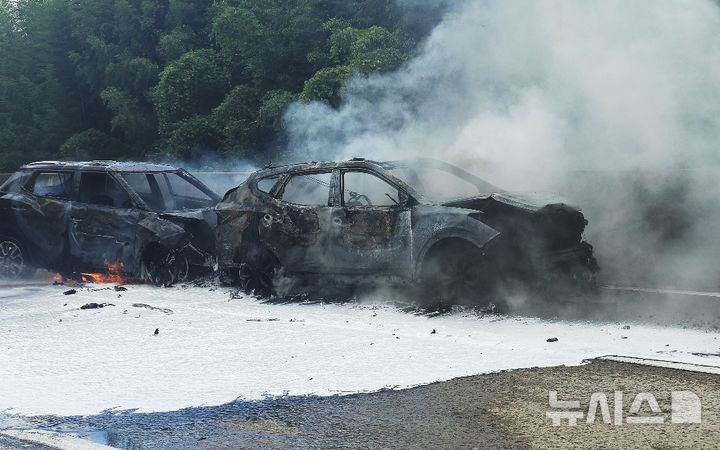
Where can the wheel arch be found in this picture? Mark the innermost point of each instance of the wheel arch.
(441, 240)
(259, 246)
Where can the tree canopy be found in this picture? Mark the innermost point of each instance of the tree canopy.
(132, 79)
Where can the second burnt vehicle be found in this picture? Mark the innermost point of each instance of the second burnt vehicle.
(148, 221)
(422, 220)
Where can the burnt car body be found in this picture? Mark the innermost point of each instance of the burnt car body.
(150, 221)
(364, 218)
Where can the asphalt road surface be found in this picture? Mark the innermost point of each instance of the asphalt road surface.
(499, 410)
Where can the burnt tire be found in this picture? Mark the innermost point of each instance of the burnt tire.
(13, 258)
(456, 273)
(166, 267)
(256, 275)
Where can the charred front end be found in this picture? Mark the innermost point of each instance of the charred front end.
(540, 237)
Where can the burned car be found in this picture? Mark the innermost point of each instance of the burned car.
(423, 221)
(147, 221)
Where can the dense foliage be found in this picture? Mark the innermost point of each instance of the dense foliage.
(158, 79)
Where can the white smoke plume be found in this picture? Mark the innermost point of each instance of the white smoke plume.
(526, 93)
(530, 84)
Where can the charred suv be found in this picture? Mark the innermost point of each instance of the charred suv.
(421, 220)
(148, 221)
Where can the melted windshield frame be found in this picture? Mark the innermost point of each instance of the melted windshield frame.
(483, 187)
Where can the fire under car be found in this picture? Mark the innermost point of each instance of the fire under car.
(424, 221)
(142, 221)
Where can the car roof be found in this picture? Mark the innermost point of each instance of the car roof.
(272, 169)
(100, 166)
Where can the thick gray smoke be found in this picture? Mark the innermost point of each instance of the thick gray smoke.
(601, 100)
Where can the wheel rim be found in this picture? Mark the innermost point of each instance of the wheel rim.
(172, 268)
(458, 279)
(178, 266)
(12, 262)
(455, 276)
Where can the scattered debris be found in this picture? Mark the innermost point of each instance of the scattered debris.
(95, 305)
(157, 331)
(626, 327)
(58, 283)
(120, 288)
(70, 292)
(714, 355)
(552, 339)
(143, 305)
(263, 320)
(433, 331)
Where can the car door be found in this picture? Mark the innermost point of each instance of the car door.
(41, 211)
(298, 231)
(103, 223)
(371, 226)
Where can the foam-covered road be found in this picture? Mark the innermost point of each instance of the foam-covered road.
(211, 348)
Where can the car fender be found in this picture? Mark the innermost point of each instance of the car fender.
(432, 224)
(162, 231)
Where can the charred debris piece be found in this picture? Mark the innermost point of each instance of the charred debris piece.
(425, 221)
(153, 308)
(95, 305)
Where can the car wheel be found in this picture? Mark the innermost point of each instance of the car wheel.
(166, 267)
(456, 273)
(13, 259)
(258, 268)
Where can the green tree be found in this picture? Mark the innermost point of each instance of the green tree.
(355, 51)
(190, 86)
(90, 144)
(135, 78)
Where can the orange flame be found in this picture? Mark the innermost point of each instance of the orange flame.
(112, 274)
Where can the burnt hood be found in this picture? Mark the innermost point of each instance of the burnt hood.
(531, 202)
